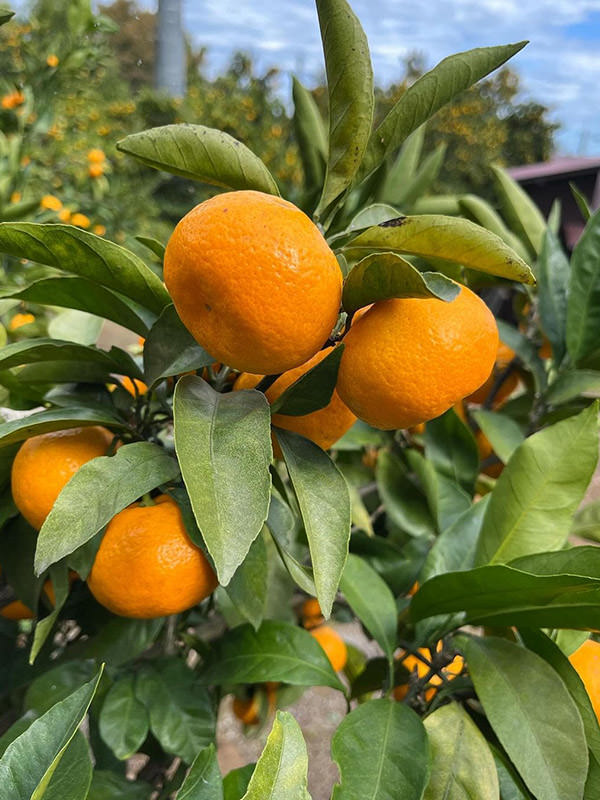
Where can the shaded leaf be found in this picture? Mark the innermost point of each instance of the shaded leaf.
(583, 305)
(123, 720)
(405, 505)
(313, 390)
(310, 134)
(247, 589)
(203, 781)
(553, 285)
(572, 384)
(170, 349)
(522, 214)
(503, 433)
(451, 448)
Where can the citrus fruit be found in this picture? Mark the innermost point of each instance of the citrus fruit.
(484, 446)
(254, 281)
(16, 610)
(412, 663)
(333, 645)
(134, 387)
(247, 710)
(325, 426)
(45, 463)
(19, 320)
(504, 356)
(408, 360)
(147, 566)
(545, 350)
(586, 662)
(311, 613)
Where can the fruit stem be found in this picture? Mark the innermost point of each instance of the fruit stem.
(147, 500)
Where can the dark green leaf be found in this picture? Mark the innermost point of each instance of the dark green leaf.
(350, 93)
(5, 15)
(17, 548)
(522, 214)
(499, 595)
(247, 589)
(58, 683)
(86, 295)
(405, 505)
(310, 134)
(553, 284)
(324, 502)
(202, 154)
(462, 764)
(120, 640)
(29, 761)
(382, 276)
(123, 721)
(312, 391)
(428, 94)
(223, 443)
(181, 713)
(572, 384)
(451, 448)
(235, 783)
(372, 601)
(171, 350)
(281, 770)
(72, 777)
(526, 350)
(81, 253)
(583, 305)
(539, 490)
(532, 714)
(382, 752)
(110, 786)
(99, 490)
(203, 781)
(43, 628)
(447, 500)
(447, 238)
(583, 561)
(277, 651)
(503, 433)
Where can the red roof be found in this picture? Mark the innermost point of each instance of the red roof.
(558, 167)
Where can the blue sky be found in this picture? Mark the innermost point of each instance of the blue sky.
(560, 67)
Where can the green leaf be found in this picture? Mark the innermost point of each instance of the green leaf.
(43, 628)
(479, 210)
(277, 651)
(448, 238)
(583, 305)
(462, 764)
(235, 783)
(17, 430)
(223, 444)
(99, 490)
(504, 433)
(58, 683)
(313, 390)
(153, 245)
(75, 326)
(301, 575)
(120, 640)
(17, 548)
(553, 285)
(405, 166)
(81, 253)
(532, 714)
(539, 643)
(522, 214)
(171, 350)
(446, 499)
(420, 183)
(539, 490)
(451, 448)
(381, 276)
(371, 600)
(181, 711)
(455, 549)
(203, 781)
(73, 775)
(526, 350)
(5, 15)
(30, 760)
(350, 94)
(86, 295)
(382, 752)
(404, 504)
(123, 720)
(368, 216)
(33, 351)
(586, 522)
(584, 561)
(581, 200)
(281, 770)
(429, 93)
(511, 785)
(247, 589)
(324, 502)
(202, 154)
(110, 786)
(310, 134)
(592, 783)
(572, 384)
(499, 595)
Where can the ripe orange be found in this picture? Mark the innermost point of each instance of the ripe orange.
(545, 350)
(408, 360)
(17, 610)
(311, 613)
(325, 426)
(254, 281)
(485, 449)
(333, 645)
(19, 320)
(133, 385)
(586, 661)
(412, 663)
(247, 710)
(147, 566)
(95, 170)
(45, 463)
(504, 356)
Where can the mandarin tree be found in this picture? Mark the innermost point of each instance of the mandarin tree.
(189, 536)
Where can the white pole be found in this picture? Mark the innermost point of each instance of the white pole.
(170, 47)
